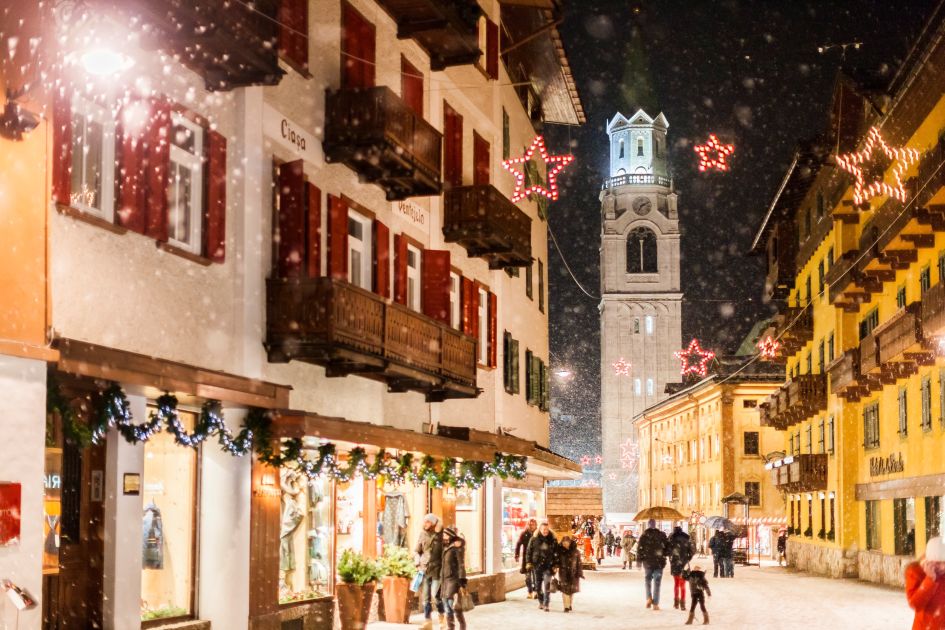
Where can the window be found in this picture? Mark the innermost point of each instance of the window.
(306, 536)
(292, 19)
(650, 324)
(637, 387)
(750, 403)
(933, 517)
(456, 306)
(641, 251)
(821, 206)
(901, 297)
(871, 425)
(810, 363)
(621, 153)
(530, 394)
(506, 135)
(483, 326)
(833, 517)
(791, 444)
(810, 438)
(927, 403)
(185, 184)
(810, 516)
(904, 526)
(528, 281)
(797, 442)
(541, 286)
(358, 49)
(482, 163)
(941, 267)
(807, 288)
(411, 86)
(925, 279)
(93, 160)
(751, 443)
(821, 444)
(869, 322)
(808, 222)
(830, 349)
(903, 412)
(830, 436)
(359, 250)
(510, 363)
(821, 272)
(821, 356)
(650, 387)
(636, 325)
(452, 147)
(414, 280)
(639, 147)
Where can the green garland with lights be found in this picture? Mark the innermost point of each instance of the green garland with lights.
(112, 409)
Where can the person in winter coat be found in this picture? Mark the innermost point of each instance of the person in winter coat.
(598, 543)
(698, 586)
(651, 554)
(680, 553)
(627, 541)
(570, 571)
(428, 558)
(715, 544)
(727, 553)
(453, 576)
(610, 541)
(542, 558)
(782, 547)
(925, 587)
(521, 547)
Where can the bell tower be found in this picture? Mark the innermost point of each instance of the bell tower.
(641, 323)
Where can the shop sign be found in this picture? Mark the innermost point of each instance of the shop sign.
(887, 465)
(291, 135)
(413, 212)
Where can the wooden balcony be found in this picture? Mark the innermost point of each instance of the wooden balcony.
(229, 44)
(900, 345)
(848, 286)
(377, 135)
(446, 29)
(488, 226)
(796, 400)
(932, 313)
(348, 330)
(794, 326)
(846, 379)
(801, 473)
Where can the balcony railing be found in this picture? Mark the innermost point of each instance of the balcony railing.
(446, 29)
(488, 226)
(348, 330)
(846, 380)
(869, 354)
(794, 326)
(376, 134)
(796, 400)
(636, 178)
(801, 473)
(932, 312)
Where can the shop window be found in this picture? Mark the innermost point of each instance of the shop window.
(469, 523)
(927, 404)
(873, 542)
(349, 516)
(185, 184)
(925, 280)
(400, 511)
(169, 496)
(903, 412)
(359, 250)
(871, 426)
(933, 517)
(93, 160)
(305, 536)
(904, 526)
(518, 506)
(751, 443)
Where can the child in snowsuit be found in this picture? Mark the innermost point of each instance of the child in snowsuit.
(698, 587)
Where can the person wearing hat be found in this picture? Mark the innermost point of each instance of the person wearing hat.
(453, 576)
(698, 587)
(651, 553)
(429, 558)
(925, 586)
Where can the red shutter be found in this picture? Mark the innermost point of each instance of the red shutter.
(357, 49)
(435, 284)
(480, 160)
(470, 307)
(293, 32)
(493, 329)
(313, 233)
(452, 147)
(144, 161)
(492, 49)
(62, 148)
(157, 165)
(131, 186)
(411, 83)
(337, 238)
(381, 259)
(215, 220)
(400, 269)
(291, 241)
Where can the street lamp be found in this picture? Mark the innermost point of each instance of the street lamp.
(103, 61)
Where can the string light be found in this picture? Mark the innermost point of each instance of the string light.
(721, 152)
(768, 348)
(553, 163)
(852, 163)
(694, 359)
(622, 368)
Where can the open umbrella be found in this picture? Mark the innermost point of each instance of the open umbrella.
(659, 513)
(720, 522)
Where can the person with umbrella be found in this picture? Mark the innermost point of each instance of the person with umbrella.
(651, 554)
(715, 546)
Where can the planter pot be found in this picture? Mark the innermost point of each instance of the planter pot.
(396, 593)
(354, 605)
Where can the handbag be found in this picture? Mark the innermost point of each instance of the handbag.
(464, 601)
(417, 581)
(554, 585)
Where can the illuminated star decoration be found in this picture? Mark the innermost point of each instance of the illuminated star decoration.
(713, 147)
(553, 165)
(612, 476)
(768, 348)
(694, 360)
(628, 454)
(622, 368)
(585, 460)
(852, 163)
(598, 460)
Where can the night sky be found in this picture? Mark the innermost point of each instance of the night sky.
(748, 71)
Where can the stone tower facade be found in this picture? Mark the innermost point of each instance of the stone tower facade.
(641, 302)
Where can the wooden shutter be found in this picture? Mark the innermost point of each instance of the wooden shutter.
(290, 244)
(492, 49)
(529, 380)
(480, 160)
(400, 269)
(515, 365)
(144, 160)
(293, 32)
(214, 244)
(435, 284)
(411, 86)
(381, 259)
(157, 165)
(470, 307)
(452, 147)
(313, 232)
(62, 147)
(507, 361)
(357, 49)
(337, 238)
(493, 330)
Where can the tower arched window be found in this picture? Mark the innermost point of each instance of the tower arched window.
(640, 147)
(621, 150)
(641, 251)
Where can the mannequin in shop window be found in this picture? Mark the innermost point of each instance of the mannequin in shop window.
(293, 513)
(153, 538)
(394, 515)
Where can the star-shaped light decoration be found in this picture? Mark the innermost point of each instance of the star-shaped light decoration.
(622, 368)
(713, 154)
(553, 165)
(629, 452)
(853, 164)
(585, 460)
(598, 460)
(612, 476)
(768, 348)
(694, 360)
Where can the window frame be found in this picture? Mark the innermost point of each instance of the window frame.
(926, 396)
(414, 286)
(903, 407)
(831, 444)
(482, 354)
(753, 493)
(745, 443)
(193, 162)
(88, 110)
(364, 249)
(648, 262)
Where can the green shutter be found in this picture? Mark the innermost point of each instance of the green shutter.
(529, 380)
(506, 361)
(514, 365)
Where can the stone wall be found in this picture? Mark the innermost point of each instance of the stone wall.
(821, 560)
(881, 568)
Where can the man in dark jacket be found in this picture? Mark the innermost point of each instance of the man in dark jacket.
(521, 549)
(715, 545)
(542, 558)
(782, 547)
(610, 541)
(651, 554)
(680, 553)
(727, 553)
(429, 559)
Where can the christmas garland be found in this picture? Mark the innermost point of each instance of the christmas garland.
(112, 409)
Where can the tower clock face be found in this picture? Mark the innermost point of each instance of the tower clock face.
(642, 205)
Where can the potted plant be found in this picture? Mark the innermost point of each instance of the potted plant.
(397, 569)
(358, 575)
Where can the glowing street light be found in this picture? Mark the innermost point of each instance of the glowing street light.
(103, 61)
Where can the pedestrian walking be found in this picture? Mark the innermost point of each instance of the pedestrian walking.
(698, 588)
(680, 553)
(570, 571)
(453, 577)
(782, 548)
(715, 546)
(587, 531)
(429, 558)
(925, 586)
(651, 554)
(598, 543)
(542, 559)
(521, 549)
(727, 548)
(610, 542)
(627, 542)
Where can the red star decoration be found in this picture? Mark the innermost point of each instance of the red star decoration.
(622, 368)
(598, 460)
(768, 348)
(612, 476)
(553, 165)
(694, 359)
(585, 460)
(721, 152)
(852, 163)
(628, 454)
